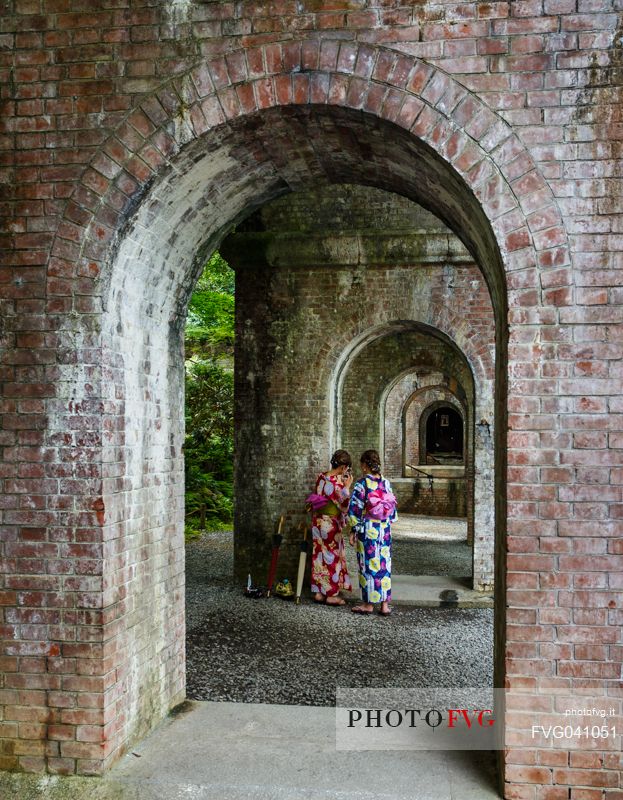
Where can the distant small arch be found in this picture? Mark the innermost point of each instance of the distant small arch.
(442, 434)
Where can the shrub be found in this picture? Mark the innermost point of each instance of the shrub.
(209, 443)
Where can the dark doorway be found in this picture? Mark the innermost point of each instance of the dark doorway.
(444, 436)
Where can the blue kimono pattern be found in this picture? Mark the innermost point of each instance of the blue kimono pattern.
(374, 542)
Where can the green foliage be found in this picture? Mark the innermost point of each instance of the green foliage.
(217, 276)
(210, 399)
(210, 321)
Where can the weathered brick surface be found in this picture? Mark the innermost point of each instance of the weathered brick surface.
(503, 118)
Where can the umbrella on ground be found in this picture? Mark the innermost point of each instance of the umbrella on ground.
(302, 560)
(272, 570)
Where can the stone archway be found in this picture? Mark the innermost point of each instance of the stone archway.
(180, 170)
(415, 415)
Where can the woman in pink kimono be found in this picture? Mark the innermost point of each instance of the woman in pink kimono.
(329, 572)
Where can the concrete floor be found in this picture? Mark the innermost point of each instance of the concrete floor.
(236, 751)
(443, 591)
(432, 591)
(432, 529)
(431, 546)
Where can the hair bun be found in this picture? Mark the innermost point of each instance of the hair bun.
(341, 458)
(372, 459)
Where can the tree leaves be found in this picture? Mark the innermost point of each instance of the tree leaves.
(209, 440)
(210, 321)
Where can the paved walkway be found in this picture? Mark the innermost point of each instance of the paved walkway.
(236, 751)
(432, 591)
(438, 591)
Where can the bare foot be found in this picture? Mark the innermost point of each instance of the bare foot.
(319, 598)
(335, 601)
(364, 608)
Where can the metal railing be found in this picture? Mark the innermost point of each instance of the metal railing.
(417, 469)
(422, 472)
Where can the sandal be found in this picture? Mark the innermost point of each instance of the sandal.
(361, 610)
(340, 602)
(387, 613)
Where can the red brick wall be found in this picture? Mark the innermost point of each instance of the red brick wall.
(513, 118)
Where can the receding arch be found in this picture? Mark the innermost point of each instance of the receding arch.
(442, 323)
(425, 432)
(470, 380)
(359, 343)
(447, 397)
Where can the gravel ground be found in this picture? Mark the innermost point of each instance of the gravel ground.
(431, 546)
(431, 558)
(272, 651)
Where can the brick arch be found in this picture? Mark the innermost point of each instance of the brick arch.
(418, 97)
(345, 354)
(452, 401)
(499, 199)
(401, 397)
(440, 318)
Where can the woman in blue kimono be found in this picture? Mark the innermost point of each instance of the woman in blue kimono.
(371, 511)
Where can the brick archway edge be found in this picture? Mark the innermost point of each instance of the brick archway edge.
(434, 108)
(476, 142)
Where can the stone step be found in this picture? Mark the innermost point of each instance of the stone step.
(433, 591)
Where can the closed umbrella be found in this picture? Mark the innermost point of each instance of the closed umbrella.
(302, 561)
(272, 570)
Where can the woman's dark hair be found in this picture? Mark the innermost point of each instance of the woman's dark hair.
(341, 458)
(372, 459)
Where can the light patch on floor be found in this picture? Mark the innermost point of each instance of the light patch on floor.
(430, 529)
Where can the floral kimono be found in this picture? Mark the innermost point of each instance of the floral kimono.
(329, 572)
(374, 542)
